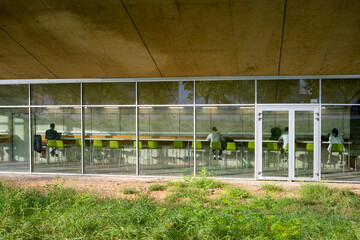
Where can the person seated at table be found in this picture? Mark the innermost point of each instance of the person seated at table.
(285, 139)
(335, 138)
(215, 136)
(52, 134)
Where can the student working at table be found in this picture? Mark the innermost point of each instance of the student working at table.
(335, 138)
(215, 136)
(285, 139)
(52, 134)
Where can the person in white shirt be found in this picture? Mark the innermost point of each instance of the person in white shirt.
(335, 138)
(215, 136)
(285, 139)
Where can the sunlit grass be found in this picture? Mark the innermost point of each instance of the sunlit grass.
(192, 211)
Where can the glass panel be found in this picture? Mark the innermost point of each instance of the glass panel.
(123, 93)
(340, 91)
(14, 95)
(109, 136)
(55, 149)
(166, 92)
(165, 134)
(225, 92)
(340, 148)
(55, 94)
(234, 157)
(304, 144)
(275, 154)
(288, 91)
(14, 140)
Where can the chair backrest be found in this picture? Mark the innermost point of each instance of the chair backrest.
(114, 144)
(337, 147)
(97, 143)
(216, 145)
(273, 146)
(198, 145)
(309, 147)
(287, 148)
(51, 143)
(78, 142)
(152, 144)
(230, 146)
(251, 145)
(178, 144)
(59, 144)
(140, 145)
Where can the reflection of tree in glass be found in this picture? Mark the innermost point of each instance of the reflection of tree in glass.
(340, 91)
(287, 91)
(48, 94)
(14, 95)
(225, 92)
(109, 93)
(159, 92)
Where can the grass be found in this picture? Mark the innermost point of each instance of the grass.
(272, 188)
(156, 187)
(318, 212)
(129, 190)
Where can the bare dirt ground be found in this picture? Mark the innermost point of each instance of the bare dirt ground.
(113, 186)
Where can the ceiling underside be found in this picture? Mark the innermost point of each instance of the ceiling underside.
(177, 38)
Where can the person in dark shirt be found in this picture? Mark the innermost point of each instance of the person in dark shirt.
(51, 134)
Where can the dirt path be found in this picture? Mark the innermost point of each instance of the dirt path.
(113, 186)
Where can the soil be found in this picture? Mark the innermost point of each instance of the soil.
(112, 186)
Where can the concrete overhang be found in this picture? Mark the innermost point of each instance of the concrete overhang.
(177, 38)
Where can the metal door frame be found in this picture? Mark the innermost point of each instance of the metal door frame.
(291, 109)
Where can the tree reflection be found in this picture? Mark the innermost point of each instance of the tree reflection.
(166, 92)
(109, 93)
(225, 92)
(288, 91)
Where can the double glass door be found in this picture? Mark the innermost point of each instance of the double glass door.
(287, 143)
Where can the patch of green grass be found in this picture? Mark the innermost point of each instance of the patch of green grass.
(329, 199)
(231, 196)
(129, 190)
(156, 187)
(62, 213)
(272, 188)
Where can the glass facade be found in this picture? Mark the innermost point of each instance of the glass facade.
(177, 127)
(109, 136)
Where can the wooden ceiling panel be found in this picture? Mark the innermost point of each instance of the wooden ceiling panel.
(153, 38)
(315, 31)
(257, 27)
(81, 41)
(17, 63)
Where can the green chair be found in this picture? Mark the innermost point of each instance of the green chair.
(60, 145)
(49, 144)
(286, 157)
(250, 147)
(97, 143)
(77, 147)
(339, 148)
(199, 148)
(153, 145)
(272, 147)
(177, 147)
(231, 146)
(114, 145)
(308, 148)
(214, 146)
